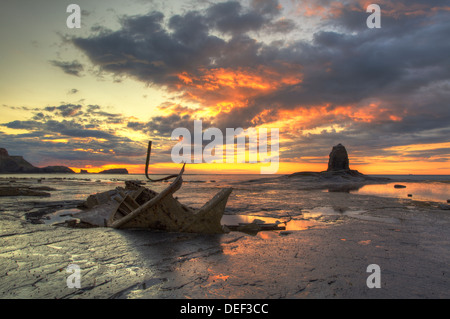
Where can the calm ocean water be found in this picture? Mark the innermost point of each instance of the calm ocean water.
(418, 187)
(267, 199)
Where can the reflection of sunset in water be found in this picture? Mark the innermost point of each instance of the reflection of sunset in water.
(292, 224)
(420, 191)
(267, 234)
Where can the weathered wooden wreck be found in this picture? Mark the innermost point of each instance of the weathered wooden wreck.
(136, 206)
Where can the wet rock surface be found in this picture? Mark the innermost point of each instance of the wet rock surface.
(408, 240)
(23, 190)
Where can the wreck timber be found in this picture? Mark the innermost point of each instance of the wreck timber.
(140, 207)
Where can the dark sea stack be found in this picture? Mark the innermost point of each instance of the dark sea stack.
(338, 159)
(338, 177)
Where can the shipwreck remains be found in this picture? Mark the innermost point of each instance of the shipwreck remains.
(136, 206)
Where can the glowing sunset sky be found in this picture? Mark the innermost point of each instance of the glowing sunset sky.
(93, 97)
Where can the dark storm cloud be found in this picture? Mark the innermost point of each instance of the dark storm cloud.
(339, 67)
(342, 69)
(345, 64)
(145, 49)
(232, 18)
(72, 68)
(149, 53)
(397, 16)
(280, 26)
(229, 17)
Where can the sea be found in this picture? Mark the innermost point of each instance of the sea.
(247, 197)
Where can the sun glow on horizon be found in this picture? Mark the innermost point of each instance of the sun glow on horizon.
(285, 168)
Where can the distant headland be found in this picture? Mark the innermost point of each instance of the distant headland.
(107, 171)
(18, 165)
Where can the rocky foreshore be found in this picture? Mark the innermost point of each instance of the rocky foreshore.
(22, 190)
(408, 240)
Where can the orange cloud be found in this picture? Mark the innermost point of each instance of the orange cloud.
(321, 116)
(418, 147)
(311, 8)
(223, 89)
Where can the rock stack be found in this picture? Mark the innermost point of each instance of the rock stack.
(338, 159)
(338, 177)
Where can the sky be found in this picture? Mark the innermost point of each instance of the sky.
(91, 98)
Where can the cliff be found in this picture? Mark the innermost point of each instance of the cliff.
(17, 164)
